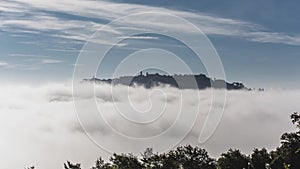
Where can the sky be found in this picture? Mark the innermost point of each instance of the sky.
(257, 41)
(47, 47)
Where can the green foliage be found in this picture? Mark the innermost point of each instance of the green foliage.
(233, 159)
(101, 164)
(260, 158)
(153, 160)
(296, 119)
(288, 155)
(125, 161)
(186, 157)
(194, 158)
(277, 160)
(170, 160)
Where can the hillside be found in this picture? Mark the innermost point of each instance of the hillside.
(200, 81)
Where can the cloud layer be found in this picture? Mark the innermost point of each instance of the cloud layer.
(76, 20)
(39, 125)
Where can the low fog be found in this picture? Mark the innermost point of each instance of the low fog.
(39, 125)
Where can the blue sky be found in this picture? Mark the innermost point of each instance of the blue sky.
(257, 41)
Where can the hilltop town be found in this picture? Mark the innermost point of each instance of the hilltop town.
(185, 81)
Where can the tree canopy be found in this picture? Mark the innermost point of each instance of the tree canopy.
(286, 156)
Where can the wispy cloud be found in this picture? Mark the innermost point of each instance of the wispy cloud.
(138, 37)
(3, 64)
(41, 18)
(50, 61)
(274, 37)
(29, 61)
(27, 55)
(18, 66)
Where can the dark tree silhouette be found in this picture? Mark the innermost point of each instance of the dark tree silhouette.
(125, 161)
(186, 157)
(260, 158)
(277, 160)
(101, 164)
(170, 160)
(194, 158)
(70, 165)
(288, 154)
(151, 160)
(233, 159)
(32, 167)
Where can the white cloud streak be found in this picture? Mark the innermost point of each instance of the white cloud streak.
(3, 64)
(38, 125)
(107, 11)
(50, 61)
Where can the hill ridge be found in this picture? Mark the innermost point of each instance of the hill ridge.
(184, 81)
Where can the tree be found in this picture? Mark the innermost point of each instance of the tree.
(70, 165)
(101, 164)
(277, 160)
(233, 159)
(296, 119)
(124, 161)
(289, 151)
(194, 158)
(32, 167)
(170, 160)
(152, 160)
(160, 161)
(260, 158)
